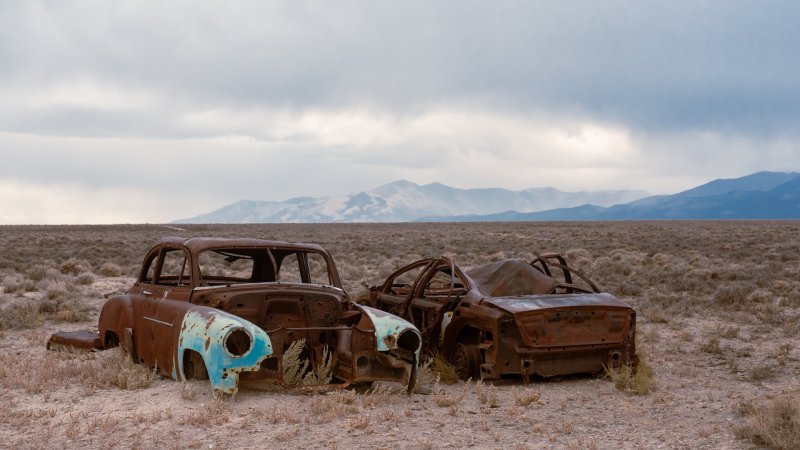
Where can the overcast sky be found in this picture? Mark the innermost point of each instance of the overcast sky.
(132, 111)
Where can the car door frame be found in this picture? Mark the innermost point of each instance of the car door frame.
(159, 310)
(434, 309)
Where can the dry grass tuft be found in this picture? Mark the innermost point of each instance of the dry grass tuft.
(294, 367)
(109, 270)
(108, 369)
(322, 373)
(712, 346)
(526, 396)
(115, 368)
(487, 394)
(358, 423)
(217, 411)
(761, 373)
(21, 314)
(447, 400)
(636, 380)
(74, 266)
(445, 371)
(774, 424)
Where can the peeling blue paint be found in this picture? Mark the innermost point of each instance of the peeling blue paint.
(388, 328)
(204, 330)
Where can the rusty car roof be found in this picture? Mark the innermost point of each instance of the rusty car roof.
(198, 244)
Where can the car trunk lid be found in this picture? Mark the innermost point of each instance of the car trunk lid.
(568, 320)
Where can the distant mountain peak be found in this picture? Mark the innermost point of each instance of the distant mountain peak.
(404, 201)
(401, 183)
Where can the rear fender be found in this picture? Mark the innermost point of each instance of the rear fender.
(116, 315)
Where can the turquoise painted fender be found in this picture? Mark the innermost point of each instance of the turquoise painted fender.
(388, 329)
(204, 330)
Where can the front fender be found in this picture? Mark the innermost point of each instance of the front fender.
(395, 333)
(389, 330)
(204, 330)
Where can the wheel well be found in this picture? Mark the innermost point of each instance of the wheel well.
(110, 340)
(468, 335)
(194, 367)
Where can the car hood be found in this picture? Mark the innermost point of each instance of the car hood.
(528, 303)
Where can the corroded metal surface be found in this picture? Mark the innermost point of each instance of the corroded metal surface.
(511, 317)
(228, 310)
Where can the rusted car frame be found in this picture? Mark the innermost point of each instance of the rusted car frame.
(511, 317)
(228, 310)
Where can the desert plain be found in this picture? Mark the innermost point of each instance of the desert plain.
(718, 308)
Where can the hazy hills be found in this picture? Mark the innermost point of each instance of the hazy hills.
(404, 201)
(762, 195)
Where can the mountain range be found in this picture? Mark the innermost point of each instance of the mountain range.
(762, 195)
(404, 201)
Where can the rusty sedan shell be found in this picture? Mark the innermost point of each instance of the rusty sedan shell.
(511, 317)
(229, 309)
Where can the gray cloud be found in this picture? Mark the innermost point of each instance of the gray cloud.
(681, 64)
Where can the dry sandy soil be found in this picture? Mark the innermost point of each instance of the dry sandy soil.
(718, 307)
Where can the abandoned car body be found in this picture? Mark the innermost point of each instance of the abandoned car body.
(228, 310)
(511, 317)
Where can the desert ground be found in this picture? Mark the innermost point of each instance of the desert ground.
(718, 318)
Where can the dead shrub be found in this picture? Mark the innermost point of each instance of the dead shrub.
(526, 396)
(774, 424)
(383, 394)
(358, 423)
(712, 346)
(21, 314)
(109, 369)
(37, 272)
(109, 270)
(74, 266)
(771, 314)
(656, 314)
(188, 391)
(324, 408)
(85, 278)
(296, 368)
(114, 368)
(487, 394)
(216, 412)
(732, 295)
(425, 377)
(445, 371)
(444, 399)
(322, 373)
(728, 332)
(637, 380)
(17, 284)
(760, 373)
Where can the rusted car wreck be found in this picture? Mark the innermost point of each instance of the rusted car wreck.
(511, 317)
(229, 309)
